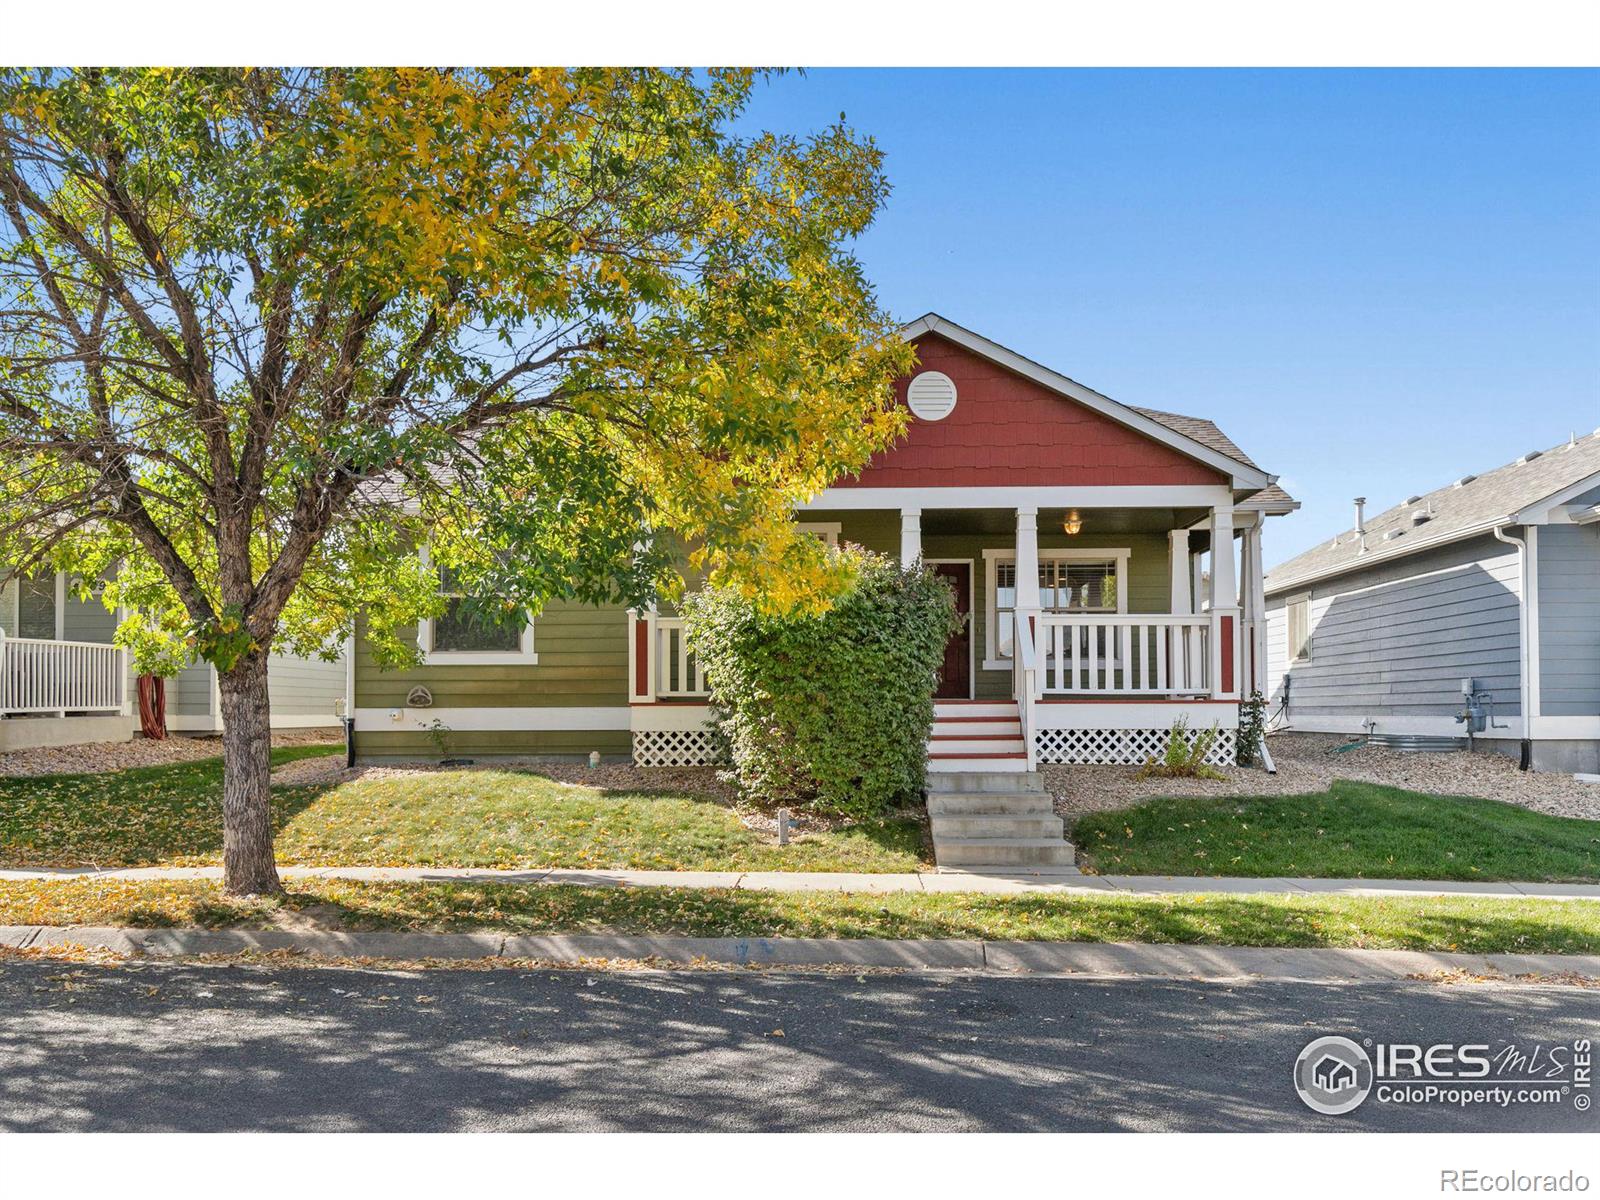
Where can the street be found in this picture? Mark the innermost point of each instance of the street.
(150, 1046)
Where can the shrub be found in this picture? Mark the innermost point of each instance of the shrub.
(828, 710)
(1252, 729)
(1186, 755)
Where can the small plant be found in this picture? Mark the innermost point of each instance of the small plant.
(439, 734)
(1185, 757)
(1252, 729)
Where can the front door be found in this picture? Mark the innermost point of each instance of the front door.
(955, 681)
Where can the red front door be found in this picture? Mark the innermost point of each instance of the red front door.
(955, 680)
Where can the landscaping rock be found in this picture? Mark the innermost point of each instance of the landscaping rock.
(1309, 763)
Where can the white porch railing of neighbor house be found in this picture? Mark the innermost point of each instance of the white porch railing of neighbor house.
(1138, 654)
(40, 676)
(677, 668)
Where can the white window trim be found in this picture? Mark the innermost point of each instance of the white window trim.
(524, 655)
(993, 555)
(1288, 628)
(827, 530)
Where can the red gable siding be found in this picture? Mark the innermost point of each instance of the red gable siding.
(1007, 430)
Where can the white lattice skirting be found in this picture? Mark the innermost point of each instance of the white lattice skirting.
(674, 748)
(1121, 747)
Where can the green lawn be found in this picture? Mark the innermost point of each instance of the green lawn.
(1471, 925)
(1356, 830)
(482, 818)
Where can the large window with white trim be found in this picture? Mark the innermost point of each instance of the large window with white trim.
(475, 629)
(1070, 581)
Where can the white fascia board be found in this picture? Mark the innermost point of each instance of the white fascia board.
(507, 718)
(1242, 474)
(1175, 496)
(1538, 513)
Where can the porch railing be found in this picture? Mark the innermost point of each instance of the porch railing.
(1138, 654)
(677, 668)
(41, 676)
(1025, 682)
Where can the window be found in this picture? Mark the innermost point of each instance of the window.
(828, 531)
(1070, 581)
(1299, 609)
(31, 607)
(475, 630)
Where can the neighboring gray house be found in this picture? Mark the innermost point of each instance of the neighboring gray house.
(1493, 579)
(61, 680)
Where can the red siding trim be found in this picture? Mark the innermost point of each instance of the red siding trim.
(1227, 653)
(641, 658)
(1008, 430)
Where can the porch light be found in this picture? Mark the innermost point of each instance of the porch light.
(1073, 523)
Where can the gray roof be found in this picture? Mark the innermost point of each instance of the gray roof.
(1208, 434)
(1472, 505)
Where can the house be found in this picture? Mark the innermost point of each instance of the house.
(1483, 595)
(63, 682)
(1333, 1074)
(1073, 529)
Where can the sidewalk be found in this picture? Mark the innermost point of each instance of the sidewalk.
(1106, 960)
(802, 881)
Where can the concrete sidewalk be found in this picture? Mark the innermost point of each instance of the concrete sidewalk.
(804, 881)
(1091, 959)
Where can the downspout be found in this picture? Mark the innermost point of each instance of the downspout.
(1523, 657)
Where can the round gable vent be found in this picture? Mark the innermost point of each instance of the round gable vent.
(932, 395)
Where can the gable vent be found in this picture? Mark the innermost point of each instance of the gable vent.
(1529, 457)
(1464, 480)
(932, 395)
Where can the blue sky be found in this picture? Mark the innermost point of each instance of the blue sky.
(1374, 281)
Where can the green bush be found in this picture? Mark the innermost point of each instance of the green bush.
(1185, 756)
(830, 711)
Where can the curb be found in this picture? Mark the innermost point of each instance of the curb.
(1109, 960)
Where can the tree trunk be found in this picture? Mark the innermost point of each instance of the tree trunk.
(247, 861)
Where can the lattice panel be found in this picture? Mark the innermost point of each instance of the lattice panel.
(674, 748)
(1120, 747)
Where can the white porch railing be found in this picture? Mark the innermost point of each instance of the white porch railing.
(41, 676)
(1138, 654)
(1025, 682)
(677, 668)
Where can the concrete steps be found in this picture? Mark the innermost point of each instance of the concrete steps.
(995, 821)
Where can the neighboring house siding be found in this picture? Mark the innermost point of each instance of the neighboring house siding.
(1396, 640)
(1568, 558)
(189, 692)
(304, 687)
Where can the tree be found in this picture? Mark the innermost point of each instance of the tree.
(262, 333)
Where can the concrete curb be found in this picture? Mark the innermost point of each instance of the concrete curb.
(827, 881)
(1088, 959)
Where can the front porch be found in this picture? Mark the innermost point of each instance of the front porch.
(1092, 626)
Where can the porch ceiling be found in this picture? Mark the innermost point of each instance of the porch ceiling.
(936, 521)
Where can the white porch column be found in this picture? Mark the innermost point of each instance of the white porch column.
(1028, 561)
(1254, 602)
(1182, 571)
(1224, 606)
(910, 535)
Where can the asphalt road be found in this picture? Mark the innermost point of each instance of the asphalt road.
(172, 1047)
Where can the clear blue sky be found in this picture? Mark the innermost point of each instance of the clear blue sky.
(1374, 281)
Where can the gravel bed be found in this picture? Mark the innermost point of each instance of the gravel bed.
(96, 758)
(1306, 763)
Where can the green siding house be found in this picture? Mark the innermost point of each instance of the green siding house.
(1108, 557)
